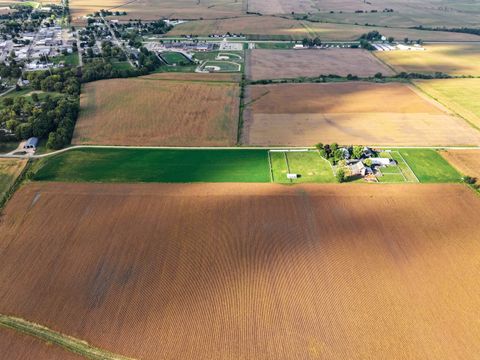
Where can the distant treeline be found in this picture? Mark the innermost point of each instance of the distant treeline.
(464, 30)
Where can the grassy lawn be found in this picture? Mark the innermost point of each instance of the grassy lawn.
(429, 166)
(274, 45)
(121, 65)
(309, 165)
(391, 178)
(70, 59)
(147, 165)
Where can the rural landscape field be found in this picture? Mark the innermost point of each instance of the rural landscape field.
(148, 279)
(269, 64)
(363, 113)
(239, 179)
(151, 111)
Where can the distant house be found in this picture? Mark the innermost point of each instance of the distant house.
(31, 143)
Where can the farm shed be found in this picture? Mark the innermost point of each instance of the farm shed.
(31, 143)
(382, 161)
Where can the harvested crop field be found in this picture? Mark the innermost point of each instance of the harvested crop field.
(155, 9)
(10, 169)
(268, 27)
(459, 95)
(248, 271)
(350, 113)
(453, 59)
(278, 64)
(157, 111)
(16, 346)
(465, 161)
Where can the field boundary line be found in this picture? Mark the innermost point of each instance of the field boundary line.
(66, 342)
(399, 168)
(271, 168)
(288, 165)
(405, 161)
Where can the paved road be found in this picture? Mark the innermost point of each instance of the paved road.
(10, 155)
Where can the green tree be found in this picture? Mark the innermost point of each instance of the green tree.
(341, 175)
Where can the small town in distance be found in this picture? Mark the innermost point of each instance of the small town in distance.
(239, 179)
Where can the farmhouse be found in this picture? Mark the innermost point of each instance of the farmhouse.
(359, 169)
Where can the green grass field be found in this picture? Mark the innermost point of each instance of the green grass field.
(147, 165)
(70, 59)
(309, 165)
(121, 65)
(274, 45)
(175, 58)
(429, 166)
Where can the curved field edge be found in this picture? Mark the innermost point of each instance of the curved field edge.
(68, 343)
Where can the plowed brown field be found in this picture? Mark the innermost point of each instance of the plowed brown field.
(164, 110)
(350, 113)
(466, 161)
(208, 271)
(16, 346)
(278, 64)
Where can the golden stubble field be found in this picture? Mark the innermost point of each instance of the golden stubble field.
(156, 9)
(278, 64)
(184, 110)
(350, 113)
(453, 59)
(459, 95)
(288, 28)
(237, 271)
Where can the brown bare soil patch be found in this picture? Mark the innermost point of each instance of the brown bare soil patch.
(228, 77)
(465, 161)
(350, 112)
(277, 64)
(237, 271)
(158, 110)
(16, 346)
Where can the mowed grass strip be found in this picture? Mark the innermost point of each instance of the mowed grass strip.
(54, 337)
(147, 165)
(429, 166)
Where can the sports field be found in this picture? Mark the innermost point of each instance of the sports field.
(268, 27)
(278, 64)
(466, 162)
(459, 95)
(155, 111)
(453, 59)
(239, 271)
(350, 113)
(10, 169)
(144, 165)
